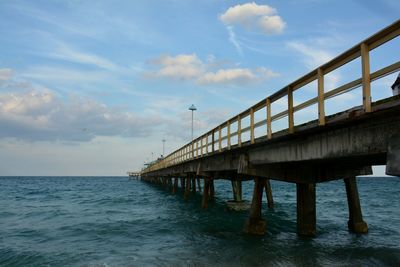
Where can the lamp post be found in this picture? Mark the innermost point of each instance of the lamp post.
(163, 147)
(192, 108)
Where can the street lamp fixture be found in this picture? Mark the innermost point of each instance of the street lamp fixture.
(192, 108)
(163, 147)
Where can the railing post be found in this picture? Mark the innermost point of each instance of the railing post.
(239, 131)
(219, 139)
(252, 125)
(192, 150)
(207, 143)
(197, 148)
(366, 79)
(290, 109)
(321, 98)
(213, 141)
(228, 126)
(269, 122)
(201, 145)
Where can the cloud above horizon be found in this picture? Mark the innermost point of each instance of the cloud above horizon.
(6, 74)
(37, 115)
(190, 67)
(252, 16)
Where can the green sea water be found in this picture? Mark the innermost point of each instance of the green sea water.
(114, 221)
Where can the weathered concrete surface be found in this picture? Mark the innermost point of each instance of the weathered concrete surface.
(356, 223)
(306, 210)
(393, 156)
(255, 224)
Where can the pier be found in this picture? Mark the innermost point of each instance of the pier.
(339, 146)
(134, 175)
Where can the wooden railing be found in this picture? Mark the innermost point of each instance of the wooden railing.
(211, 142)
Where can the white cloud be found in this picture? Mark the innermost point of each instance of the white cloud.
(6, 74)
(180, 67)
(42, 115)
(237, 76)
(190, 67)
(253, 16)
(271, 24)
(227, 76)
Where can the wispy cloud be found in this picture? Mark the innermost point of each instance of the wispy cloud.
(68, 53)
(311, 56)
(233, 40)
(65, 75)
(314, 55)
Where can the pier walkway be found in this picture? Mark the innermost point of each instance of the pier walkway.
(339, 146)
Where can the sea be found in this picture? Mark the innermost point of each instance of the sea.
(115, 221)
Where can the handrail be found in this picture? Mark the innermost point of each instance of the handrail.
(198, 148)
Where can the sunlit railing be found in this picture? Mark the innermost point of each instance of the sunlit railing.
(211, 142)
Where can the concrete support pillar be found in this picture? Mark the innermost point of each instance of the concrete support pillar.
(183, 183)
(187, 189)
(175, 186)
(268, 194)
(206, 193)
(355, 223)
(237, 190)
(306, 211)
(255, 224)
(194, 185)
(169, 185)
(212, 190)
(198, 184)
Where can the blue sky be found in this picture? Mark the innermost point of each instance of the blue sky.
(92, 87)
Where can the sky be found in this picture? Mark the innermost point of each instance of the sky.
(93, 87)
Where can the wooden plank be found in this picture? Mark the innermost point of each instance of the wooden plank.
(321, 101)
(290, 110)
(366, 78)
(383, 36)
(304, 80)
(305, 104)
(343, 89)
(280, 115)
(385, 71)
(269, 128)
